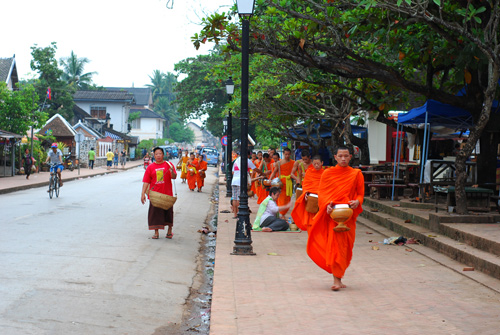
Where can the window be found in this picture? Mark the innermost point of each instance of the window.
(98, 112)
(136, 124)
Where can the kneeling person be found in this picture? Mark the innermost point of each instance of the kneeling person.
(268, 216)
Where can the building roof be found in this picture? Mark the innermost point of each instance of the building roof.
(147, 113)
(8, 134)
(142, 95)
(104, 96)
(8, 69)
(59, 127)
(116, 135)
(87, 129)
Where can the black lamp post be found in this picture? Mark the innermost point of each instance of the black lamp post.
(229, 147)
(243, 238)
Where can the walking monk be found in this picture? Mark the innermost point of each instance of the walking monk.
(184, 170)
(310, 184)
(283, 170)
(192, 166)
(202, 170)
(330, 250)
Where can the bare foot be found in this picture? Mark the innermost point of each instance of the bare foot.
(267, 229)
(337, 284)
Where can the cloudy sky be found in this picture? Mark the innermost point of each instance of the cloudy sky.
(125, 40)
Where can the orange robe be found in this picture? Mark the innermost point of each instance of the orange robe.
(330, 250)
(202, 166)
(253, 175)
(262, 192)
(285, 171)
(310, 184)
(184, 167)
(192, 178)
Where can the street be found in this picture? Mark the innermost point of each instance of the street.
(85, 263)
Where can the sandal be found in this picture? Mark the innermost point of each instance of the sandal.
(155, 237)
(169, 236)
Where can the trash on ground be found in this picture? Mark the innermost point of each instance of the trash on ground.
(408, 221)
(409, 250)
(401, 240)
(412, 240)
(373, 209)
(369, 232)
(468, 269)
(225, 211)
(432, 235)
(375, 247)
(272, 254)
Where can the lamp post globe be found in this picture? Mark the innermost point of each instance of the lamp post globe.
(243, 238)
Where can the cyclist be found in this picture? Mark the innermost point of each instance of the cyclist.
(55, 156)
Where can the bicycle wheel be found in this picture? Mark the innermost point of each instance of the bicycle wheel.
(51, 187)
(56, 186)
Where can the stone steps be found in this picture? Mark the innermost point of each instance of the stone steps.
(474, 244)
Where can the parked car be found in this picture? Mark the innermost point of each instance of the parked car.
(212, 155)
(169, 152)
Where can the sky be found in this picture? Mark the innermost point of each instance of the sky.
(125, 40)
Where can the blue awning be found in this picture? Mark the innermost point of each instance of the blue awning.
(439, 114)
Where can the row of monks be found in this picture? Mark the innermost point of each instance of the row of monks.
(193, 167)
(341, 184)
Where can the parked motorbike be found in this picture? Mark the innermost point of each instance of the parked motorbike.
(69, 163)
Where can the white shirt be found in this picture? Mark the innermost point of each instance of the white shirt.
(54, 156)
(237, 172)
(271, 210)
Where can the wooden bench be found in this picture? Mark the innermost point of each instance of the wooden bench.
(376, 190)
(478, 198)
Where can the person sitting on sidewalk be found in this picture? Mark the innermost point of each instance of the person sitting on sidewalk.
(268, 215)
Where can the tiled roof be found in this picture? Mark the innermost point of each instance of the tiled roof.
(6, 65)
(58, 126)
(141, 94)
(147, 113)
(110, 96)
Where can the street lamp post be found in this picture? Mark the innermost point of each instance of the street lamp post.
(243, 238)
(229, 147)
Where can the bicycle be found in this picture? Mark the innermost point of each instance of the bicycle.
(53, 181)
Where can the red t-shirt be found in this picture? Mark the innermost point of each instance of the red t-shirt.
(156, 175)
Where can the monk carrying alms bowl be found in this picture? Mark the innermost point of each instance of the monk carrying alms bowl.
(340, 214)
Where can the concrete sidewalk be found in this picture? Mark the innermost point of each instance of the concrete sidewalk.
(391, 289)
(19, 182)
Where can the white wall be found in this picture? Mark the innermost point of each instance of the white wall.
(118, 112)
(149, 129)
(377, 139)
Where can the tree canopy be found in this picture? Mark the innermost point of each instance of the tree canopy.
(379, 51)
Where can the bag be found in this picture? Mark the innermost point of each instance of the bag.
(312, 203)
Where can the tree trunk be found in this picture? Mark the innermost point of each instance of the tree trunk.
(475, 133)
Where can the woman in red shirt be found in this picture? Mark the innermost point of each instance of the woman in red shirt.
(158, 177)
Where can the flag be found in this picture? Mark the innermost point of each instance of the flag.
(49, 94)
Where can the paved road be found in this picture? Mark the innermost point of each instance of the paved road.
(85, 263)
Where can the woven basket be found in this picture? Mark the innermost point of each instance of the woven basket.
(250, 193)
(202, 174)
(161, 200)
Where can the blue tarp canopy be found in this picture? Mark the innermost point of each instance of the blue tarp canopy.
(439, 114)
(325, 133)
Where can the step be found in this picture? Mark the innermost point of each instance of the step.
(480, 260)
(417, 216)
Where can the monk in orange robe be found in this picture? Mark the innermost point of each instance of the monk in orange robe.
(330, 250)
(184, 170)
(310, 184)
(300, 167)
(192, 166)
(283, 170)
(202, 170)
(253, 174)
(266, 168)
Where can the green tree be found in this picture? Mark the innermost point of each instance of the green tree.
(18, 109)
(180, 133)
(74, 73)
(50, 74)
(164, 106)
(429, 48)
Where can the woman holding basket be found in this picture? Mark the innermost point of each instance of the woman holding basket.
(158, 178)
